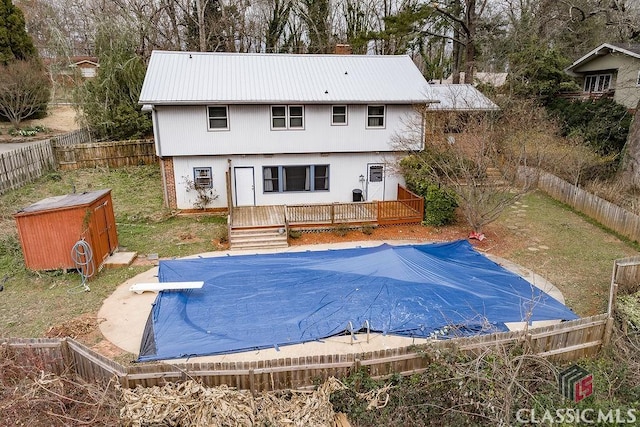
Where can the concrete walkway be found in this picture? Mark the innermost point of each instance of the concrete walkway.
(126, 313)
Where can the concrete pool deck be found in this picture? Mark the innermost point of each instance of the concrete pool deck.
(125, 313)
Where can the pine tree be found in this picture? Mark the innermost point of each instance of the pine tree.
(15, 43)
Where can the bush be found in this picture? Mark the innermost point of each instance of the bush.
(440, 206)
(603, 125)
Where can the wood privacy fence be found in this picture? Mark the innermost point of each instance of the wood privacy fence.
(110, 154)
(611, 216)
(564, 341)
(626, 274)
(24, 165)
(70, 151)
(80, 136)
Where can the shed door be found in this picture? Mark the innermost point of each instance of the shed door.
(245, 186)
(103, 246)
(375, 181)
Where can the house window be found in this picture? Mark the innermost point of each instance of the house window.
(597, 83)
(296, 119)
(375, 116)
(375, 173)
(638, 80)
(279, 179)
(339, 115)
(279, 117)
(202, 177)
(287, 117)
(271, 181)
(218, 118)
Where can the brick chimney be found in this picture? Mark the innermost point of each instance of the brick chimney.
(343, 49)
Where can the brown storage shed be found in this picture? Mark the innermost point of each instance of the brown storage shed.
(49, 229)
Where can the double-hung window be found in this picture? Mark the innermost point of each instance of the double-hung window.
(218, 117)
(287, 117)
(279, 179)
(375, 116)
(339, 115)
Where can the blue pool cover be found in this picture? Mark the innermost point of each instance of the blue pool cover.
(261, 301)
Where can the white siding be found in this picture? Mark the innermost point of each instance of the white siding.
(344, 173)
(182, 131)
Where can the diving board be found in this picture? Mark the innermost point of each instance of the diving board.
(139, 288)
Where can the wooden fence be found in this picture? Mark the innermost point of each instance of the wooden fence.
(80, 136)
(566, 341)
(24, 165)
(611, 216)
(111, 154)
(626, 274)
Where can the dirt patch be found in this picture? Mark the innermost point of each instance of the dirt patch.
(83, 326)
(60, 119)
(496, 241)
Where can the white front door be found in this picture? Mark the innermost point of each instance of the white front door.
(375, 181)
(245, 186)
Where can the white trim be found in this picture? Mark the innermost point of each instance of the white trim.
(368, 116)
(346, 115)
(226, 117)
(595, 52)
(287, 117)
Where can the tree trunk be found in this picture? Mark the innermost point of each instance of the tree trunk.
(470, 51)
(631, 159)
(201, 6)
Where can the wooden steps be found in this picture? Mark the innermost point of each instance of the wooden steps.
(258, 238)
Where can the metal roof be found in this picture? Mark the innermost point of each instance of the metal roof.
(248, 78)
(460, 97)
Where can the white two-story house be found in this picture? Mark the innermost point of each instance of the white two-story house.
(268, 129)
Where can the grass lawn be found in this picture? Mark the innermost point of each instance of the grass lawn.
(537, 233)
(566, 248)
(33, 302)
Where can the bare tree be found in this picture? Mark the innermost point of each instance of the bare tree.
(477, 155)
(24, 90)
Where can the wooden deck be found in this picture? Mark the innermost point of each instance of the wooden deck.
(257, 217)
(407, 209)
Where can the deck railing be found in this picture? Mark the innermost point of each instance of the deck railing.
(408, 208)
(329, 214)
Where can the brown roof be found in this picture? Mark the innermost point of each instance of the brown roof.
(63, 202)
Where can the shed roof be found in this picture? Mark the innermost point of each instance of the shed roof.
(244, 78)
(460, 97)
(63, 202)
(632, 50)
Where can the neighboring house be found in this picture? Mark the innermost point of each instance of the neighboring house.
(479, 77)
(87, 65)
(270, 129)
(610, 70)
